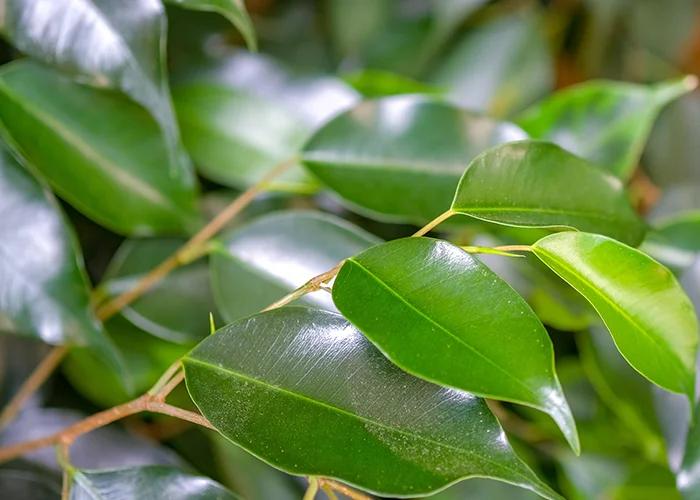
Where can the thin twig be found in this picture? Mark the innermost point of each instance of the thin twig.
(165, 378)
(341, 488)
(313, 285)
(192, 247)
(312, 490)
(174, 411)
(168, 388)
(434, 223)
(32, 384)
(63, 458)
(329, 492)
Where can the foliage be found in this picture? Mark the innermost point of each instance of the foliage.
(494, 278)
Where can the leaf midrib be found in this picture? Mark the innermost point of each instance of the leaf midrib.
(557, 211)
(364, 420)
(459, 340)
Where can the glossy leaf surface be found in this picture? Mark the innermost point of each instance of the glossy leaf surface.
(275, 254)
(649, 316)
(146, 483)
(233, 10)
(401, 157)
(303, 384)
(97, 43)
(499, 67)
(43, 285)
(607, 123)
(176, 308)
(538, 184)
(113, 170)
(236, 138)
(441, 314)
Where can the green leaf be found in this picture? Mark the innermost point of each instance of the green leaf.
(308, 394)
(373, 83)
(233, 10)
(43, 285)
(99, 151)
(146, 483)
(626, 392)
(607, 123)
(524, 184)
(236, 138)
(97, 43)
(401, 157)
(441, 314)
(275, 254)
(146, 358)
(649, 316)
(688, 476)
(500, 67)
(176, 308)
(675, 241)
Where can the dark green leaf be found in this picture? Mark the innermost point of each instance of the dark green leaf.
(233, 10)
(626, 392)
(538, 184)
(649, 316)
(99, 44)
(236, 138)
(354, 24)
(484, 489)
(146, 358)
(43, 285)
(99, 151)
(605, 122)
(308, 394)
(278, 253)
(176, 308)
(591, 476)
(500, 67)
(650, 482)
(144, 483)
(441, 314)
(401, 157)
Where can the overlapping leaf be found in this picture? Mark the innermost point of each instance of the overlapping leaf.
(277, 253)
(441, 314)
(649, 316)
(95, 41)
(144, 483)
(401, 157)
(176, 308)
(43, 286)
(233, 10)
(113, 170)
(538, 184)
(605, 122)
(309, 394)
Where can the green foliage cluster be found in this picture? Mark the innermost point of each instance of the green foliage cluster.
(492, 280)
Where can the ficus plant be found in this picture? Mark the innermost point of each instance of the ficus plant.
(406, 270)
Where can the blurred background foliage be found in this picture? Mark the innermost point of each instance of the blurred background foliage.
(241, 113)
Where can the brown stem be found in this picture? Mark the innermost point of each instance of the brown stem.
(174, 411)
(168, 388)
(192, 247)
(30, 386)
(341, 488)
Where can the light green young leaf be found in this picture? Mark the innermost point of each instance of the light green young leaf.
(401, 157)
(607, 123)
(43, 284)
(100, 151)
(307, 393)
(98, 44)
(538, 184)
(440, 314)
(647, 312)
(233, 10)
